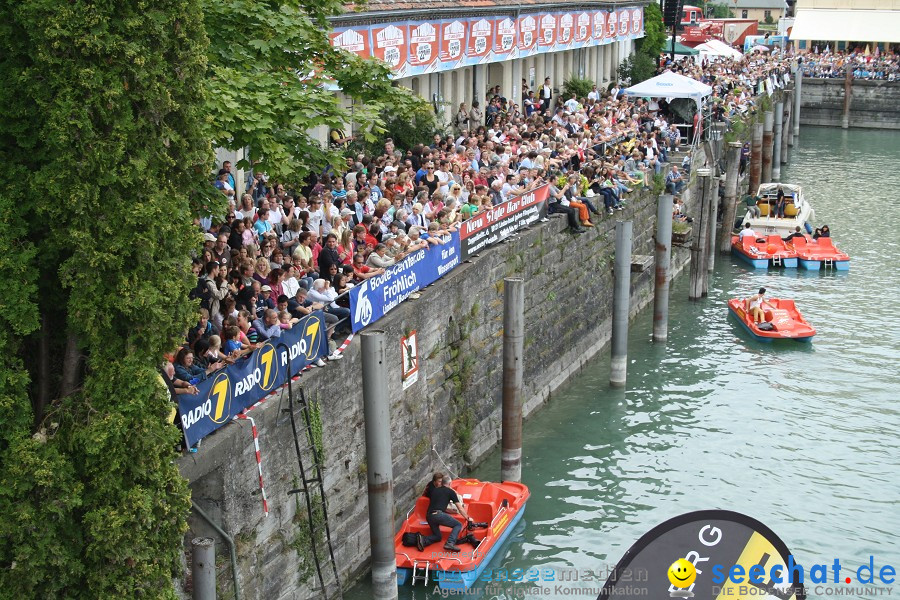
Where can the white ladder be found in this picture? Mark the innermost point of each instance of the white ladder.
(829, 263)
(420, 572)
(776, 261)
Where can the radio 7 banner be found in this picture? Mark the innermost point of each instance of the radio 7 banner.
(376, 296)
(352, 39)
(250, 379)
(527, 36)
(453, 42)
(423, 47)
(495, 225)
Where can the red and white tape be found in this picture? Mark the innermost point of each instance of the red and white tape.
(262, 487)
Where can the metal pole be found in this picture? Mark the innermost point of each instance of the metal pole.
(377, 412)
(229, 541)
(848, 93)
(203, 568)
(776, 142)
(663, 260)
(768, 125)
(756, 157)
(513, 350)
(698, 247)
(798, 86)
(621, 301)
(787, 127)
(732, 166)
(713, 212)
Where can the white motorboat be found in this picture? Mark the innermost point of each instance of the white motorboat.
(797, 211)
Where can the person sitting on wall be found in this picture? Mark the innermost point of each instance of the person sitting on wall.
(440, 498)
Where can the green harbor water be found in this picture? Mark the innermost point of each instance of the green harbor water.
(803, 437)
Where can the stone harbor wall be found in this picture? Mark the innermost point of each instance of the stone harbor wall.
(873, 104)
(450, 415)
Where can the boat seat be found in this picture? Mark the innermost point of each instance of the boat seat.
(764, 209)
(481, 512)
(825, 243)
(790, 210)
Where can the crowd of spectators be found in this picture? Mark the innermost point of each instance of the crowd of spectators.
(279, 254)
(863, 66)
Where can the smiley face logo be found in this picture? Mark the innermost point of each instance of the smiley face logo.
(682, 573)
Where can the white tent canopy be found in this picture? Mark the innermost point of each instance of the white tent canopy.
(716, 48)
(671, 85)
(858, 25)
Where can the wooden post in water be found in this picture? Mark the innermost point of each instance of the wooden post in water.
(732, 166)
(698, 246)
(663, 261)
(848, 93)
(776, 143)
(786, 136)
(768, 133)
(756, 157)
(713, 212)
(204, 568)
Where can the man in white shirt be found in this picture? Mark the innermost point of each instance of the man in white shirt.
(747, 232)
(572, 104)
(316, 215)
(594, 94)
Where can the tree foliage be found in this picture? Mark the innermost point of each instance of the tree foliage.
(110, 112)
(636, 68)
(272, 79)
(580, 86)
(654, 39)
(720, 11)
(102, 141)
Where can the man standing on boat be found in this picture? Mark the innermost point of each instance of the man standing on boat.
(441, 496)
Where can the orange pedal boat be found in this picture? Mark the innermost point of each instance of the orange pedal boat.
(784, 319)
(761, 254)
(500, 505)
(815, 253)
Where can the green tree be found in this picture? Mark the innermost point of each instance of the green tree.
(636, 68)
(272, 79)
(102, 142)
(720, 11)
(654, 39)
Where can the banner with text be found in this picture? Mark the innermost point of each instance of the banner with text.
(495, 225)
(376, 296)
(249, 380)
(419, 47)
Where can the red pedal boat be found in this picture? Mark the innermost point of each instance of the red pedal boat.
(785, 320)
(815, 253)
(500, 505)
(761, 254)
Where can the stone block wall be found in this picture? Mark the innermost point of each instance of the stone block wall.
(872, 103)
(453, 408)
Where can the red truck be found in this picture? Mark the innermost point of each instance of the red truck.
(730, 31)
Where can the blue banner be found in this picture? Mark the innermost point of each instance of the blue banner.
(376, 296)
(241, 385)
